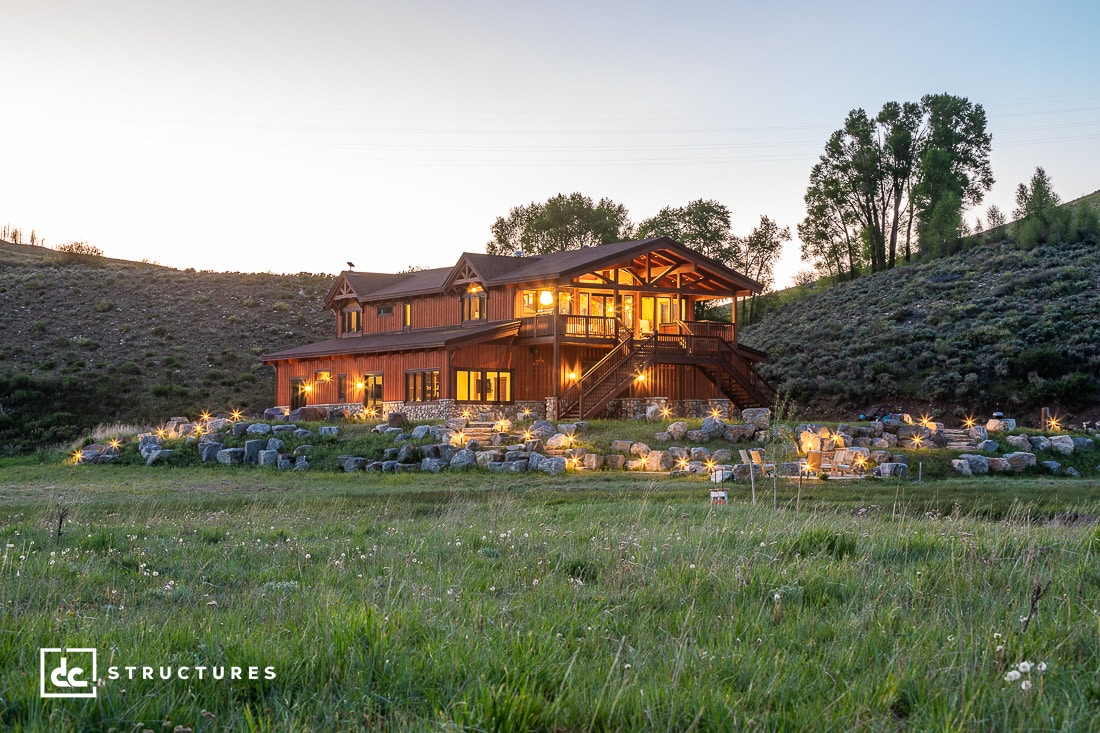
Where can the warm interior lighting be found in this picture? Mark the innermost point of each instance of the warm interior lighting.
(546, 297)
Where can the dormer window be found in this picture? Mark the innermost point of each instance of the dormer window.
(351, 320)
(474, 302)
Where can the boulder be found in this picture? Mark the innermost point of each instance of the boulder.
(961, 466)
(653, 412)
(745, 471)
(738, 432)
(890, 470)
(558, 441)
(1052, 467)
(310, 413)
(1020, 460)
(553, 465)
(1038, 443)
(567, 429)
(714, 427)
(301, 434)
(542, 429)
(147, 444)
(620, 446)
(464, 458)
(328, 431)
(397, 420)
(1062, 444)
(407, 454)
(485, 457)
(978, 433)
(275, 444)
(160, 455)
(891, 425)
(662, 437)
(678, 430)
(517, 466)
(1019, 442)
(989, 446)
(433, 465)
(593, 461)
(252, 450)
(615, 461)
(420, 432)
(998, 465)
(218, 424)
(758, 416)
(457, 423)
(979, 465)
(879, 457)
(208, 452)
(1000, 425)
(258, 428)
(1071, 471)
(277, 429)
(285, 464)
(301, 464)
(722, 455)
(639, 449)
(877, 429)
(699, 454)
(659, 460)
(270, 458)
(228, 456)
(1081, 444)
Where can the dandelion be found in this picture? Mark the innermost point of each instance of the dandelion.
(1025, 685)
(1012, 676)
(1024, 667)
(1041, 666)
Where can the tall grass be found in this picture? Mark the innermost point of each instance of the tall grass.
(383, 606)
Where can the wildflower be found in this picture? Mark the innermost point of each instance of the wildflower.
(1025, 685)
(1041, 666)
(1012, 676)
(1024, 667)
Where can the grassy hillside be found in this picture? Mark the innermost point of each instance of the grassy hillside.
(995, 327)
(92, 340)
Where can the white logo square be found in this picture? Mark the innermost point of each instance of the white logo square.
(69, 672)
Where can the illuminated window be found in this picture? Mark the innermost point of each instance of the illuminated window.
(322, 375)
(384, 311)
(407, 315)
(422, 386)
(474, 385)
(473, 306)
(351, 320)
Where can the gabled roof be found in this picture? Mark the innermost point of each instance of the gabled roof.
(390, 341)
(501, 269)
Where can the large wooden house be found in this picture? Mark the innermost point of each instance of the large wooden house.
(592, 332)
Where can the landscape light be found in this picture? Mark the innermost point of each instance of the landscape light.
(161, 433)
(235, 415)
(115, 443)
(1054, 424)
(205, 416)
(546, 298)
(665, 412)
(969, 422)
(572, 376)
(925, 421)
(716, 412)
(527, 412)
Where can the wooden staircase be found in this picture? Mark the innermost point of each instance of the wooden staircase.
(731, 372)
(610, 376)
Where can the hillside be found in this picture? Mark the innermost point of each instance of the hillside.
(101, 340)
(995, 327)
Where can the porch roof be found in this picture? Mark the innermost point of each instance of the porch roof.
(391, 341)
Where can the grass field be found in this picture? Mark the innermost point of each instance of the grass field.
(607, 602)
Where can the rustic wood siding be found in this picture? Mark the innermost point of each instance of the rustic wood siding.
(392, 367)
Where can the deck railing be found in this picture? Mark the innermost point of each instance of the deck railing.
(558, 324)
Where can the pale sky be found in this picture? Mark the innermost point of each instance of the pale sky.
(288, 137)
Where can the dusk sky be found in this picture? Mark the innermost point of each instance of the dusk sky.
(287, 137)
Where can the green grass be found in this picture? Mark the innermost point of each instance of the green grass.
(605, 602)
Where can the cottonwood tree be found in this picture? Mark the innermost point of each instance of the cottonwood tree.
(1038, 218)
(756, 255)
(561, 223)
(703, 225)
(910, 163)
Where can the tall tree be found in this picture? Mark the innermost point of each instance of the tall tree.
(561, 223)
(703, 225)
(756, 254)
(910, 163)
(1038, 218)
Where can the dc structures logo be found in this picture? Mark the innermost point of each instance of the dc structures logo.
(67, 672)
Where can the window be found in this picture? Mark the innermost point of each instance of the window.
(407, 315)
(422, 386)
(473, 306)
(472, 385)
(371, 386)
(341, 387)
(322, 376)
(384, 311)
(350, 320)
